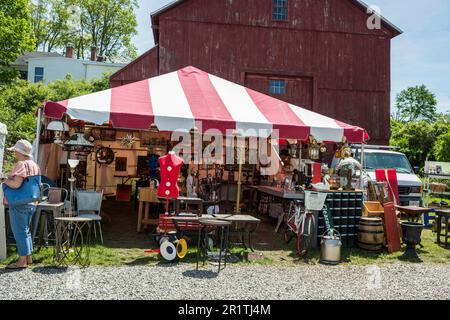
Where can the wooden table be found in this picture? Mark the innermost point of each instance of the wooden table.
(275, 192)
(412, 213)
(280, 193)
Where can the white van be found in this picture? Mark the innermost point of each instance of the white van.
(409, 185)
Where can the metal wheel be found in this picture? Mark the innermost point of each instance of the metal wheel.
(305, 235)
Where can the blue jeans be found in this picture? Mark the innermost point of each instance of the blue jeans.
(20, 220)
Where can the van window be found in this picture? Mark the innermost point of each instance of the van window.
(387, 161)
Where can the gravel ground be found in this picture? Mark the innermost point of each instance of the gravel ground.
(394, 281)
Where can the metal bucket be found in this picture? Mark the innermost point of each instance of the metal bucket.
(330, 248)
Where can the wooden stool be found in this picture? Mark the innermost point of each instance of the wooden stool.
(443, 216)
(147, 196)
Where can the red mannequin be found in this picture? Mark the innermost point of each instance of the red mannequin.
(170, 166)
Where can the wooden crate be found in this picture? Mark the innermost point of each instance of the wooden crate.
(438, 187)
(373, 209)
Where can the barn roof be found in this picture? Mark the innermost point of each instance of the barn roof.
(359, 3)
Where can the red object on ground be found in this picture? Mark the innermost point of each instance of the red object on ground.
(390, 176)
(123, 192)
(317, 172)
(158, 251)
(391, 227)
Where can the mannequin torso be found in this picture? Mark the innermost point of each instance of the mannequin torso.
(170, 166)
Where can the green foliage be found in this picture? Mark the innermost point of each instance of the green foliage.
(50, 22)
(416, 103)
(442, 148)
(109, 25)
(417, 128)
(415, 139)
(20, 100)
(16, 36)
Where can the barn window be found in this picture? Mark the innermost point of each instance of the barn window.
(280, 10)
(277, 87)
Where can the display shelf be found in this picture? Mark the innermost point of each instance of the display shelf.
(346, 210)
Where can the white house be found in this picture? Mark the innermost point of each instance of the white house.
(48, 67)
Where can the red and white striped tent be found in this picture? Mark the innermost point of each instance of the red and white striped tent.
(178, 101)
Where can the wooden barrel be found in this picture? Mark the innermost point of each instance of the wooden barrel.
(371, 234)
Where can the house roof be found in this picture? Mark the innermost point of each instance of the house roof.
(359, 3)
(22, 60)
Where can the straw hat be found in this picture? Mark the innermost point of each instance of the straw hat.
(23, 147)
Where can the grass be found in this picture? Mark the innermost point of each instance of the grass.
(431, 253)
(285, 255)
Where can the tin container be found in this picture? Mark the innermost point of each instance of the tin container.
(330, 249)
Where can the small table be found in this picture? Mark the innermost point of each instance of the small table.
(187, 202)
(247, 224)
(72, 246)
(442, 216)
(223, 228)
(412, 213)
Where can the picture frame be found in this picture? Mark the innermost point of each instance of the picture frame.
(121, 164)
(96, 133)
(108, 134)
(154, 140)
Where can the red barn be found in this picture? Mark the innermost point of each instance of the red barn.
(318, 54)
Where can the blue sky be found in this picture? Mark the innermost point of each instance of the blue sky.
(421, 55)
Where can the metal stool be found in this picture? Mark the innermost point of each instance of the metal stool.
(72, 245)
(223, 230)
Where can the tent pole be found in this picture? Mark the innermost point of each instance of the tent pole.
(361, 182)
(238, 196)
(38, 133)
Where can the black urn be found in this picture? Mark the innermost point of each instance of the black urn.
(411, 232)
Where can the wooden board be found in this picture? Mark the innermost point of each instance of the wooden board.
(391, 226)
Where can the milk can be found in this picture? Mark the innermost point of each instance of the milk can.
(330, 248)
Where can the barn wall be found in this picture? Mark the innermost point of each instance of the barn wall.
(332, 63)
(345, 76)
(146, 66)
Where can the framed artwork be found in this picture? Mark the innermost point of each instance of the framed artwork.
(121, 164)
(154, 140)
(96, 133)
(108, 134)
(142, 168)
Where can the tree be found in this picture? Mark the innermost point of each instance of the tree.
(442, 147)
(110, 25)
(415, 139)
(416, 103)
(441, 129)
(20, 100)
(16, 36)
(50, 22)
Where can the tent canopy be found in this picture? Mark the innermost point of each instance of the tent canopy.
(180, 100)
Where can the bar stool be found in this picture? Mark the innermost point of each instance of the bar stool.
(223, 230)
(443, 217)
(54, 205)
